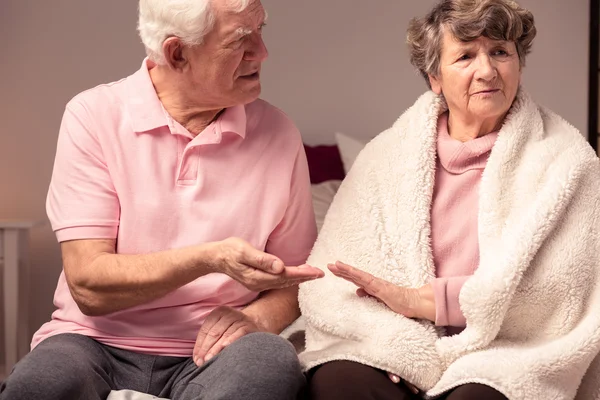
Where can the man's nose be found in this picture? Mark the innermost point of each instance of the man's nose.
(258, 51)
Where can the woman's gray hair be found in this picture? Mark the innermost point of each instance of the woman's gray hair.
(189, 20)
(467, 20)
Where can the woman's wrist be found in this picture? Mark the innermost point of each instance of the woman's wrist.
(425, 308)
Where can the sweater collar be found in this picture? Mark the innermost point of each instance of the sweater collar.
(458, 157)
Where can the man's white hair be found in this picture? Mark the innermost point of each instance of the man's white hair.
(189, 20)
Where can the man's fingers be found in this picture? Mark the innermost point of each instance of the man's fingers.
(235, 332)
(261, 261)
(290, 277)
(209, 336)
(302, 272)
(207, 326)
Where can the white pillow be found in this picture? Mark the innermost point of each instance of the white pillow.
(349, 148)
(322, 196)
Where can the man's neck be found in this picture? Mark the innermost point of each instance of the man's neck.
(192, 116)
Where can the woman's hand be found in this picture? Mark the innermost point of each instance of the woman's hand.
(396, 379)
(412, 303)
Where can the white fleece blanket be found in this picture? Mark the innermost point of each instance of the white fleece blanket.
(532, 307)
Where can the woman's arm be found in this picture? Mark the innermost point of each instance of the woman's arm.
(436, 301)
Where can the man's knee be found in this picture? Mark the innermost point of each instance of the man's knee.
(261, 364)
(57, 369)
(259, 349)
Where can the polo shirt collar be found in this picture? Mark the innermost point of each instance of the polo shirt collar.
(143, 105)
(233, 120)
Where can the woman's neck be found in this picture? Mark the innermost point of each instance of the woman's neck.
(465, 129)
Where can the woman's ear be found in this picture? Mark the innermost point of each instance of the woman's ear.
(436, 84)
(174, 54)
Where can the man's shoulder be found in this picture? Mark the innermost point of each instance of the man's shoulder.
(263, 115)
(104, 97)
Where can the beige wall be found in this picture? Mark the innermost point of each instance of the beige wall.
(335, 65)
(341, 67)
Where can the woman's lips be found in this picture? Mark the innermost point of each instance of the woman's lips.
(489, 91)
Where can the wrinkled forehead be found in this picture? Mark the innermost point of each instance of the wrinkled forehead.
(231, 15)
(253, 7)
(450, 41)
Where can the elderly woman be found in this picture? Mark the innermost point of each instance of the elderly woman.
(468, 235)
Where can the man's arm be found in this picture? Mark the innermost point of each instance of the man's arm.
(275, 310)
(102, 282)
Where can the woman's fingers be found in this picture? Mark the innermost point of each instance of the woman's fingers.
(396, 379)
(411, 387)
(371, 284)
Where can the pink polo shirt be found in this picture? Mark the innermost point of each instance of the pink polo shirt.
(125, 169)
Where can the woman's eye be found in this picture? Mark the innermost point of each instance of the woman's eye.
(464, 57)
(500, 53)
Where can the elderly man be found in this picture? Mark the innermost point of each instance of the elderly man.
(183, 209)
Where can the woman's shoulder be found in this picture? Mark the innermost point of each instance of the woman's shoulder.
(544, 134)
(564, 136)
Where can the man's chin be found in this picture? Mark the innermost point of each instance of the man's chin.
(250, 94)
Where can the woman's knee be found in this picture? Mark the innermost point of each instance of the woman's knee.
(347, 379)
(474, 391)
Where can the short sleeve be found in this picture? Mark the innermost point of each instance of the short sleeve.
(294, 236)
(82, 202)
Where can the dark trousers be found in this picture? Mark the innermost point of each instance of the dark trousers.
(346, 380)
(258, 366)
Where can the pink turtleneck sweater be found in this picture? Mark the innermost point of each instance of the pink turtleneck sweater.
(454, 213)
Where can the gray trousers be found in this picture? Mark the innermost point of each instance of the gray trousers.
(71, 367)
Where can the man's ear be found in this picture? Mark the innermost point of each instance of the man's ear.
(436, 84)
(174, 54)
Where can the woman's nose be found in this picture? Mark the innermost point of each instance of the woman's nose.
(486, 70)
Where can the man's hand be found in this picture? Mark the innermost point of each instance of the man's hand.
(257, 270)
(223, 326)
(412, 303)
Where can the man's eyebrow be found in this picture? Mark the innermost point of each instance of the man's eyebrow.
(243, 31)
